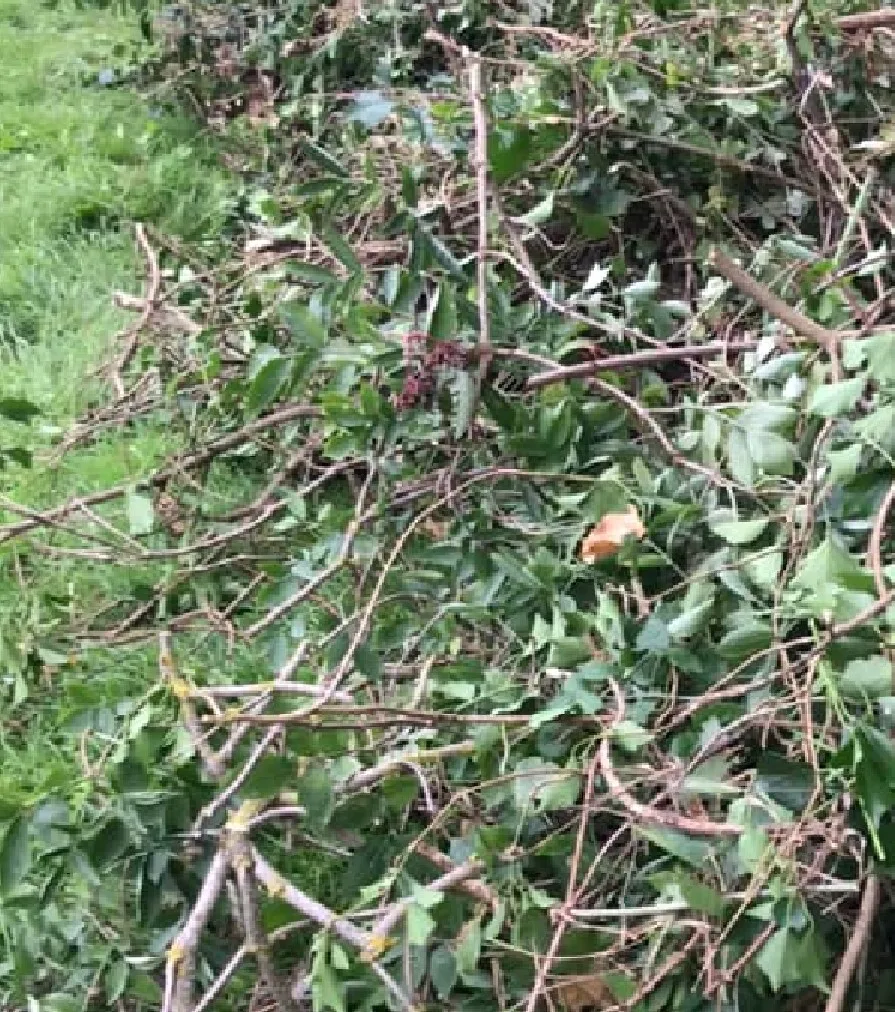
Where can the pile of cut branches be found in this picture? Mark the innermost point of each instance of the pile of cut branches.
(527, 563)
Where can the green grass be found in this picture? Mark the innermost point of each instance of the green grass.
(80, 162)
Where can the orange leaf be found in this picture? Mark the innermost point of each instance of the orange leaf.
(609, 535)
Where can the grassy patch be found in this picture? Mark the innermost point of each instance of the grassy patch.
(81, 159)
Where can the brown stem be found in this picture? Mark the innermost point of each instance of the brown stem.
(636, 360)
(856, 943)
(771, 303)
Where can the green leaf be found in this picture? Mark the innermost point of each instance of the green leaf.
(17, 409)
(315, 792)
(323, 158)
(269, 777)
(443, 324)
(739, 459)
(59, 1001)
(303, 325)
(443, 971)
(844, 464)
(327, 992)
(832, 400)
(463, 388)
(419, 924)
(773, 453)
(269, 382)
(686, 848)
(867, 678)
(343, 251)
(140, 513)
(736, 532)
(15, 855)
(679, 886)
(775, 959)
(509, 152)
(108, 844)
(881, 357)
(787, 781)
(744, 640)
(468, 948)
(690, 621)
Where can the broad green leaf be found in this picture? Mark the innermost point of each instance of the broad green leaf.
(270, 776)
(342, 250)
(468, 947)
(419, 923)
(710, 779)
(303, 325)
(689, 849)
(739, 459)
(734, 531)
(315, 793)
(689, 622)
(641, 290)
(59, 1001)
(773, 453)
(630, 736)
(17, 409)
(878, 427)
(443, 971)
(775, 959)
(833, 400)
(15, 854)
(327, 992)
(108, 844)
(678, 885)
(140, 513)
(269, 382)
(844, 464)
(867, 678)
(744, 640)
(881, 357)
(443, 322)
(787, 781)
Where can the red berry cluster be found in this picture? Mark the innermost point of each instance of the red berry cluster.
(419, 378)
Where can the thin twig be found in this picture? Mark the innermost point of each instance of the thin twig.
(856, 943)
(636, 360)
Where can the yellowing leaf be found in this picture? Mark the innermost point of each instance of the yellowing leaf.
(609, 535)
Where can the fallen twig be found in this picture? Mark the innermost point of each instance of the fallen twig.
(856, 943)
(636, 360)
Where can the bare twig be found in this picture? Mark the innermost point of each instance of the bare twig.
(856, 943)
(636, 360)
(480, 167)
